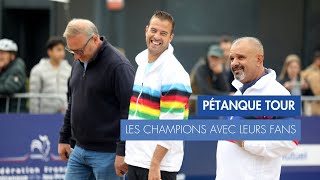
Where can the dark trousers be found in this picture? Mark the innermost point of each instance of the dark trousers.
(137, 173)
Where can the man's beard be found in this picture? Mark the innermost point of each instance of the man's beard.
(240, 75)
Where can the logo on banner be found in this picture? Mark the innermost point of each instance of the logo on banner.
(31, 151)
(40, 148)
(303, 155)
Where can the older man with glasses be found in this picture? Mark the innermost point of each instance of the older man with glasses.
(100, 90)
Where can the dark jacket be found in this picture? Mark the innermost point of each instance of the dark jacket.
(99, 98)
(205, 82)
(13, 80)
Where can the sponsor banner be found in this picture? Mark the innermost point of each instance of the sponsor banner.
(304, 155)
(28, 150)
(29, 147)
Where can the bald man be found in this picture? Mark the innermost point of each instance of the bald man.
(251, 160)
(100, 90)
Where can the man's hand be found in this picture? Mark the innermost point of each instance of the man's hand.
(239, 143)
(64, 151)
(154, 171)
(120, 166)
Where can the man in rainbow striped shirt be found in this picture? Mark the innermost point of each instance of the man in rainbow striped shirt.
(161, 91)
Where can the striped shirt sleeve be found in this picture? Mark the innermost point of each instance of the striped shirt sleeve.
(174, 101)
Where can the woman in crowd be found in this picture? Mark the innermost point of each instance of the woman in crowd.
(290, 76)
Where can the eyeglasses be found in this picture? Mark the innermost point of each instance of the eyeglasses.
(80, 51)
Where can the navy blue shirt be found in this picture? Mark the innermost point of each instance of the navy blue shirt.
(99, 98)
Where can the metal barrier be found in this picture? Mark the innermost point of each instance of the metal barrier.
(27, 96)
(194, 98)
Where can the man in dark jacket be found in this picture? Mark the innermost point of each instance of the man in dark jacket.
(12, 75)
(100, 88)
(209, 77)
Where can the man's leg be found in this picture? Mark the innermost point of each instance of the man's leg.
(76, 168)
(137, 173)
(168, 175)
(131, 173)
(102, 164)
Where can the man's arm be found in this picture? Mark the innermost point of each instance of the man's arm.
(158, 155)
(64, 148)
(65, 131)
(124, 78)
(270, 149)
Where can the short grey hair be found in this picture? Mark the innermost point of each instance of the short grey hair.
(255, 41)
(80, 26)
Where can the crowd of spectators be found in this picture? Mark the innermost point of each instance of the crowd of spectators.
(211, 75)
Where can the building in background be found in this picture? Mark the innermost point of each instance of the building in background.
(284, 26)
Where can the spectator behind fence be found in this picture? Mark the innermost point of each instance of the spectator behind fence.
(312, 75)
(290, 76)
(50, 76)
(12, 75)
(225, 44)
(209, 78)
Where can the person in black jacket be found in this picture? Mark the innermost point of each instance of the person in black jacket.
(100, 88)
(209, 77)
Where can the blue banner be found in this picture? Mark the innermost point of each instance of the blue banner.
(249, 106)
(211, 130)
(22, 156)
(29, 145)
